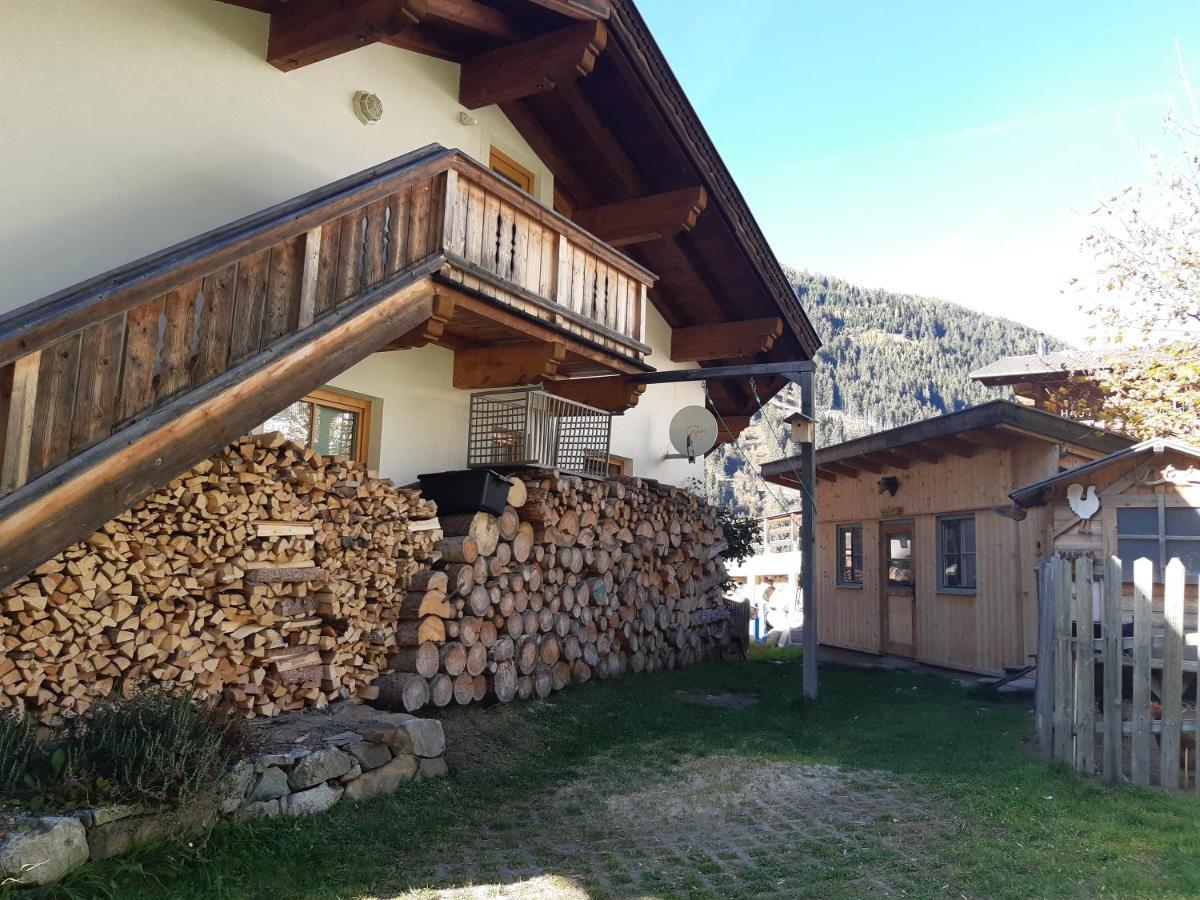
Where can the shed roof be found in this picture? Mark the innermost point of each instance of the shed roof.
(995, 424)
(1040, 365)
(1035, 494)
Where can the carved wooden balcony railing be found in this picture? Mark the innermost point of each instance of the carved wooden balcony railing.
(502, 243)
(109, 388)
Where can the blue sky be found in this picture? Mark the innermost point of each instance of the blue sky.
(951, 149)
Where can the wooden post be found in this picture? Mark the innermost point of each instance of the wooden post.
(18, 434)
(1063, 685)
(808, 520)
(1044, 689)
(1172, 674)
(1143, 589)
(308, 280)
(1085, 669)
(1111, 616)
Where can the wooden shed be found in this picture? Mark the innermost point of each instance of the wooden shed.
(920, 552)
(1142, 501)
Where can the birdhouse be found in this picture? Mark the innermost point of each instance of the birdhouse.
(803, 428)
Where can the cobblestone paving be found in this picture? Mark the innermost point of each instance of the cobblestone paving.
(718, 827)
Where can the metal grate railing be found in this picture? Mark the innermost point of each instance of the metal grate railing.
(528, 427)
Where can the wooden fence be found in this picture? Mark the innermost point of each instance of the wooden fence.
(1130, 722)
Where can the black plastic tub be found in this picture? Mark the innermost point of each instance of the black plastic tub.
(466, 491)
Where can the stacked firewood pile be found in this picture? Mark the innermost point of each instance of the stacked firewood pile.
(577, 579)
(269, 576)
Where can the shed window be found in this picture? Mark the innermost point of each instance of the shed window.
(1159, 534)
(956, 539)
(850, 555)
(330, 422)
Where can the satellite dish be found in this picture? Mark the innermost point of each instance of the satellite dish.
(693, 432)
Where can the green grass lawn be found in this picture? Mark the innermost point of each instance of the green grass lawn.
(929, 789)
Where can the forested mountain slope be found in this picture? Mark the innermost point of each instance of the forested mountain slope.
(888, 359)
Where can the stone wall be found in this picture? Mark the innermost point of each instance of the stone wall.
(355, 753)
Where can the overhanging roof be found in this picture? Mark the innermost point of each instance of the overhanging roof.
(622, 132)
(993, 424)
(1035, 494)
(1039, 366)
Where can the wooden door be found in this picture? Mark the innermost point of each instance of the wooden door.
(898, 600)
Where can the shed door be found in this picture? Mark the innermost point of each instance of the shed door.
(898, 603)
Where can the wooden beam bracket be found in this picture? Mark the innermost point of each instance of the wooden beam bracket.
(615, 394)
(507, 365)
(643, 219)
(531, 67)
(725, 340)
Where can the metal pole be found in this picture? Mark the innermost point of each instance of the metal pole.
(808, 519)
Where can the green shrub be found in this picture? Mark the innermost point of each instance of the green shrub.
(159, 745)
(20, 752)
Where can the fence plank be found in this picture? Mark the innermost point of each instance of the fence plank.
(1063, 684)
(1085, 669)
(1172, 674)
(1143, 587)
(1111, 616)
(1044, 690)
(1194, 640)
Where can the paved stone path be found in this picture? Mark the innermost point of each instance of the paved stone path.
(719, 827)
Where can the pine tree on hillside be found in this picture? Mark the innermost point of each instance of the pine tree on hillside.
(888, 359)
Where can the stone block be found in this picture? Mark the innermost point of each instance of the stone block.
(318, 766)
(369, 754)
(272, 783)
(387, 728)
(115, 838)
(384, 779)
(284, 759)
(355, 772)
(41, 851)
(234, 786)
(432, 768)
(428, 739)
(263, 809)
(314, 800)
(346, 737)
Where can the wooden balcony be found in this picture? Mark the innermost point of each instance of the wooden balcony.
(110, 388)
(502, 244)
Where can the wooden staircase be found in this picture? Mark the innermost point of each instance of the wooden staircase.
(112, 387)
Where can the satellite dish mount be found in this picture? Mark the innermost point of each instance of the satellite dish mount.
(693, 433)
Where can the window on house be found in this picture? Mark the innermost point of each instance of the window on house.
(957, 551)
(328, 421)
(510, 170)
(619, 465)
(1159, 534)
(850, 555)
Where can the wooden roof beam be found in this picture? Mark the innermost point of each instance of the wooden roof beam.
(955, 446)
(725, 340)
(530, 67)
(611, 148)
(864, 463)
(919, 452)
(475, 17)
(841, 468)
(507, 365)
(303, 32)
(890, 460)
(826, 475)
(986, 438)
(577, 9)
(547, 149)
(612, 393)
(644, 219)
